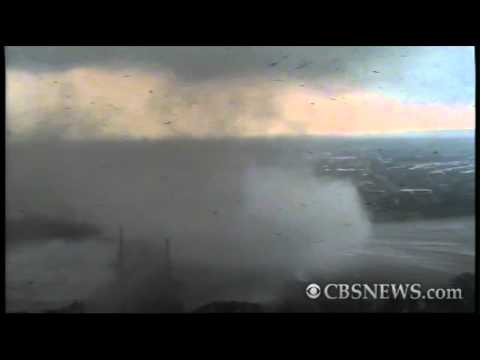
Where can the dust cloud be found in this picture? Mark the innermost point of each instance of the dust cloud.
(231, 210)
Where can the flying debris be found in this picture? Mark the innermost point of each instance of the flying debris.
(272, 64)
(303, 65)
(376, 72)
(411, 191)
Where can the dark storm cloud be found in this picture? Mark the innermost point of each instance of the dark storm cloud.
(419, 73)
(200, 63)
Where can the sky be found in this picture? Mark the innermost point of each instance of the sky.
(157, 92)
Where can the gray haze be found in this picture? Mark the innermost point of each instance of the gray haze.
(229, 207)
(198, 192)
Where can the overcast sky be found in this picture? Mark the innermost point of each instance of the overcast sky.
(153, 92)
